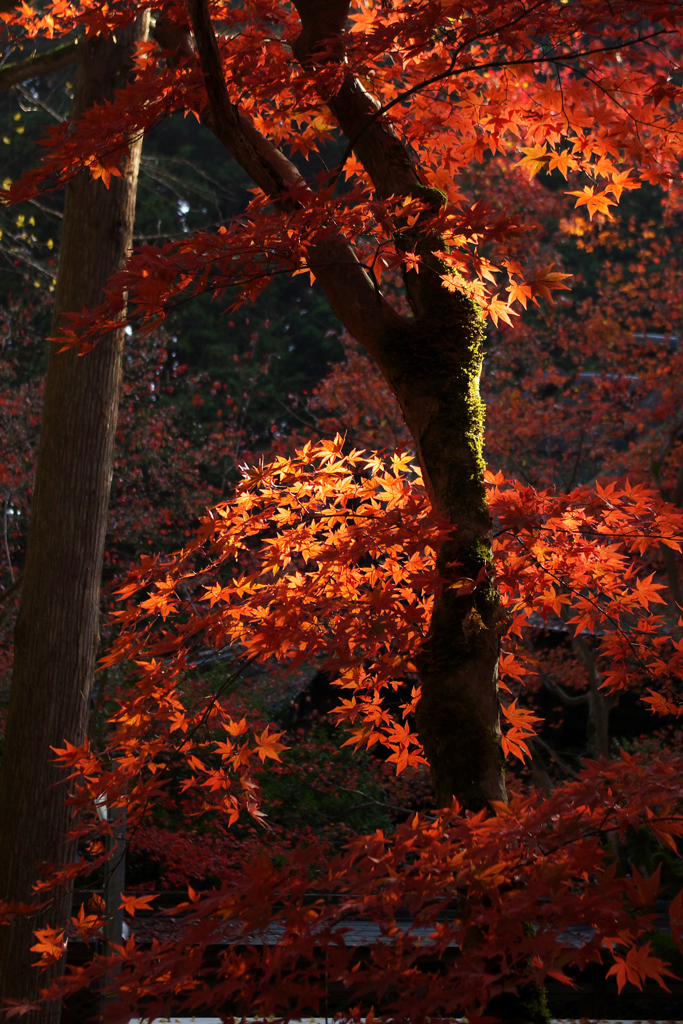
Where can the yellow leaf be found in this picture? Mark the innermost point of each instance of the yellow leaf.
(537, 159)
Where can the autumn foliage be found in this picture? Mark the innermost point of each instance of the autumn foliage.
(311, 559)
(330, 553)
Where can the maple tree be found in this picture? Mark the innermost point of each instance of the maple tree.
(608, 408)
(345, 555)
(417, 227)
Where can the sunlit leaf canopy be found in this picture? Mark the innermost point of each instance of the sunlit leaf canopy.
(299, 564)
(552, 86)
(302, 562)
(330, 557)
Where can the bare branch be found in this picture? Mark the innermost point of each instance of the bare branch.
(598, 704)
(46, 209)
(559, 691)
(35, 101)
(668, 554)
(12, 589)
(537, 741)
(37, 65)
(17, 254)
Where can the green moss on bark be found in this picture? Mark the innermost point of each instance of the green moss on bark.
(434, 364)
(429, 194)
(528, 1006)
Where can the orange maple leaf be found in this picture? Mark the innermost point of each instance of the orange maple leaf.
(87, 925)
(499, 310)
(132, 903)
(595, 203)
(621, 181)
(267, 745)
(51, 945)
(521, 728)
(537, 158)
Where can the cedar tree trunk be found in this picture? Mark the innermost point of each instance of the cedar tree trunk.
(57, 629)
(432, 362)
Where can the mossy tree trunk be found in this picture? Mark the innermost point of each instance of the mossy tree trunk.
(57, 629)
(433, 365)
(432, 362)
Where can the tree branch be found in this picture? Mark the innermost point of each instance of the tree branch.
(267, 165)
(677, 495)
(37, 65)
(386, 159)
(559, 691)
(7, 592)
(598, 704)
(347, 286)
(536, 740)
(668, 554)
(30, 97)
(12, 589)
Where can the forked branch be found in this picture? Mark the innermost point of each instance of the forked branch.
(349, 289)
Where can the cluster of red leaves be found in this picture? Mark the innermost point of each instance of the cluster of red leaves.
(548, 564)
(576, 557)
(159, 484)
(330, 556)
(504, 890)
(318, 555)
(458, 80)
(604, 372)
(160, 473)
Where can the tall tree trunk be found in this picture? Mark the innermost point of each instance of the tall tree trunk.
(434, 372)
(432, 363)
(57, 629)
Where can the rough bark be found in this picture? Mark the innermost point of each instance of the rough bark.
(432, 363)
(58, 624)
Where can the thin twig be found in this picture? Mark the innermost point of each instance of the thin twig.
(7, 551)
(554, 755)
(559, 691)
(12, 589)
(7, 592)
